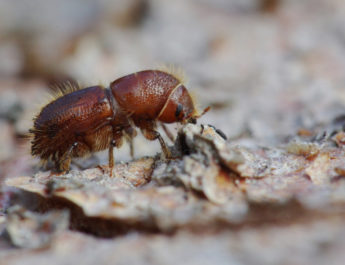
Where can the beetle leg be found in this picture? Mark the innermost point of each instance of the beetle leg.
(111, 157)
(101, 169)
(167, 132)
(63, 164)
(131, 148)
(165, 149)
(129, 134)
(129, 139)
(153, 135)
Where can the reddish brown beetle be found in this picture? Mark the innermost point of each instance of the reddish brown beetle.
(91, 119)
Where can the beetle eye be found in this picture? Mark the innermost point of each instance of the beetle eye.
(178, 110)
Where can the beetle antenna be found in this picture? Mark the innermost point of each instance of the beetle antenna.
(193, 119)
(204, 112)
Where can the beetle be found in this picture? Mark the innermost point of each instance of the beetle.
(81, 121)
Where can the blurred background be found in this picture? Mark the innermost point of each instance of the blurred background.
(268, 68)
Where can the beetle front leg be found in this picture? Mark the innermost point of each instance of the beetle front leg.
(153, 135)
(168, 133)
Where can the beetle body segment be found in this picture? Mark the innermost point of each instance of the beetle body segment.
(68, 119)
(143, 94)
(95, 118)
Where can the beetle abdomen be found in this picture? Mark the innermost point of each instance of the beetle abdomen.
(69, 119)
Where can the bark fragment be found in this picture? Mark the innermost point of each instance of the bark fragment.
(31, 230)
